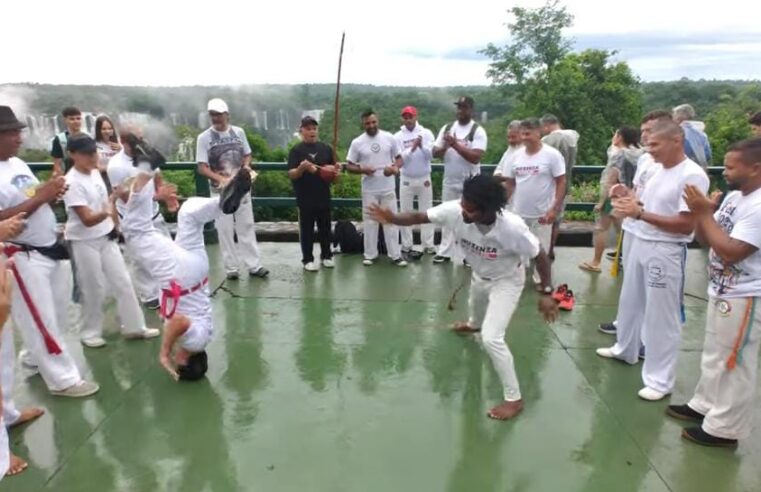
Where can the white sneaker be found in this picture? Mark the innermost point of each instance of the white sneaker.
(328, 263)
(94, 342)
(367, 262)
(311, 267)
(78, 390)
(606, 352)
(650, 394)
(143, 335)
(400, 262)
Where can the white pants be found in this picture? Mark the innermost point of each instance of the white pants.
(492, 303)
(147, 287)
(97, 260)
(185, 261)
(409, 189)
(386, 199)
(242, 224)
(724, 395)
(650, 309)
(47, 283)
(543, 233)
(7, 361)
(449, 191)
(5, 450)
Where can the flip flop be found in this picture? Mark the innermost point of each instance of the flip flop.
(590, 267)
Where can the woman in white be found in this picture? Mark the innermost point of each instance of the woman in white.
(90, 229)
(107, 143)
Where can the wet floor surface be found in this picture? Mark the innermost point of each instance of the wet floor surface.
(348, 380)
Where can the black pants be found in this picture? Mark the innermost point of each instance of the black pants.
(308, 216)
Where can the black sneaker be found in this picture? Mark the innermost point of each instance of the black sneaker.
(684, 412)
(233, 192)
(607, 328)
(260, 272)
(441, 259)
(412, 255)
(153, 304)
(699, 436)
(642, 353)
(232, 275)
(611, 255)
(465, 263)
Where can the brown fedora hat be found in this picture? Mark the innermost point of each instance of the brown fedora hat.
(8, 120)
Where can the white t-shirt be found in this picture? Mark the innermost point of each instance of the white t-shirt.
(105, 153)
(496, 253)
(663, 195)
(120, 168)
(535, 181)
(137, 216)
(646, 167)
(86, 190)
(417, 164)
(740, 217)
(456, 168)
(17, 185)
(507, 160)
(378, 151)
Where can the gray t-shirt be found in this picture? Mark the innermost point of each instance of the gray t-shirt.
(223, 151)
(566, 142)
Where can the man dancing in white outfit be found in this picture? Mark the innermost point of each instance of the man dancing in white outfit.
(650, 307)
(181, 267)
(495, 243)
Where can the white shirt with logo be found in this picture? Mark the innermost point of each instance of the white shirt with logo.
(378, 151)
(646, 167)
(17, 185)
(495, 253)
(85, 190)
(664, 195)
(456, 168)
(740, 217)
(417, 164)
(534, 176)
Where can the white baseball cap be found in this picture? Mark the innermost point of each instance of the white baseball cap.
(217, 105)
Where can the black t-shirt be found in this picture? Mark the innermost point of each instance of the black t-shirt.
(310, 189)
(58, 152)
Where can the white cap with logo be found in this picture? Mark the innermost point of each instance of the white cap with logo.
(217, 105)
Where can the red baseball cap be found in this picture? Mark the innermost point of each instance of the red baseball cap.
(409, 110)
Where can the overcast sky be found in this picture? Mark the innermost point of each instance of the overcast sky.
(396, 42)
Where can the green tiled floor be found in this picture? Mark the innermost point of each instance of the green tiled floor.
(348, 380)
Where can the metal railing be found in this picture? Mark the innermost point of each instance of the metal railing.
(202, 184)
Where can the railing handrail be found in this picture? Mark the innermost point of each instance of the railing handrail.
(202, 184)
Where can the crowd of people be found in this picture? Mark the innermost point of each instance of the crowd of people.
(654, 188)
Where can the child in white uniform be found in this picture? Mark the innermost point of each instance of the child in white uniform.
(90, 231)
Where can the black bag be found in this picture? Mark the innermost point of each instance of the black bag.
(346, 237)
(350, 240)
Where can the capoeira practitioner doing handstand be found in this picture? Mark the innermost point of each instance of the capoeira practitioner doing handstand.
(180, 266)
(496, 243)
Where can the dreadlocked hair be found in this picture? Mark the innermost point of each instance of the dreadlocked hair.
(485, 192)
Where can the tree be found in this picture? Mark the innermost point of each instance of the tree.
(537, 43)
(586, 91)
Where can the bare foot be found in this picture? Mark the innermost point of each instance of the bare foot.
(167, 363)
(16, 466)
(506, 410)
(464, 327)
(28, 415)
